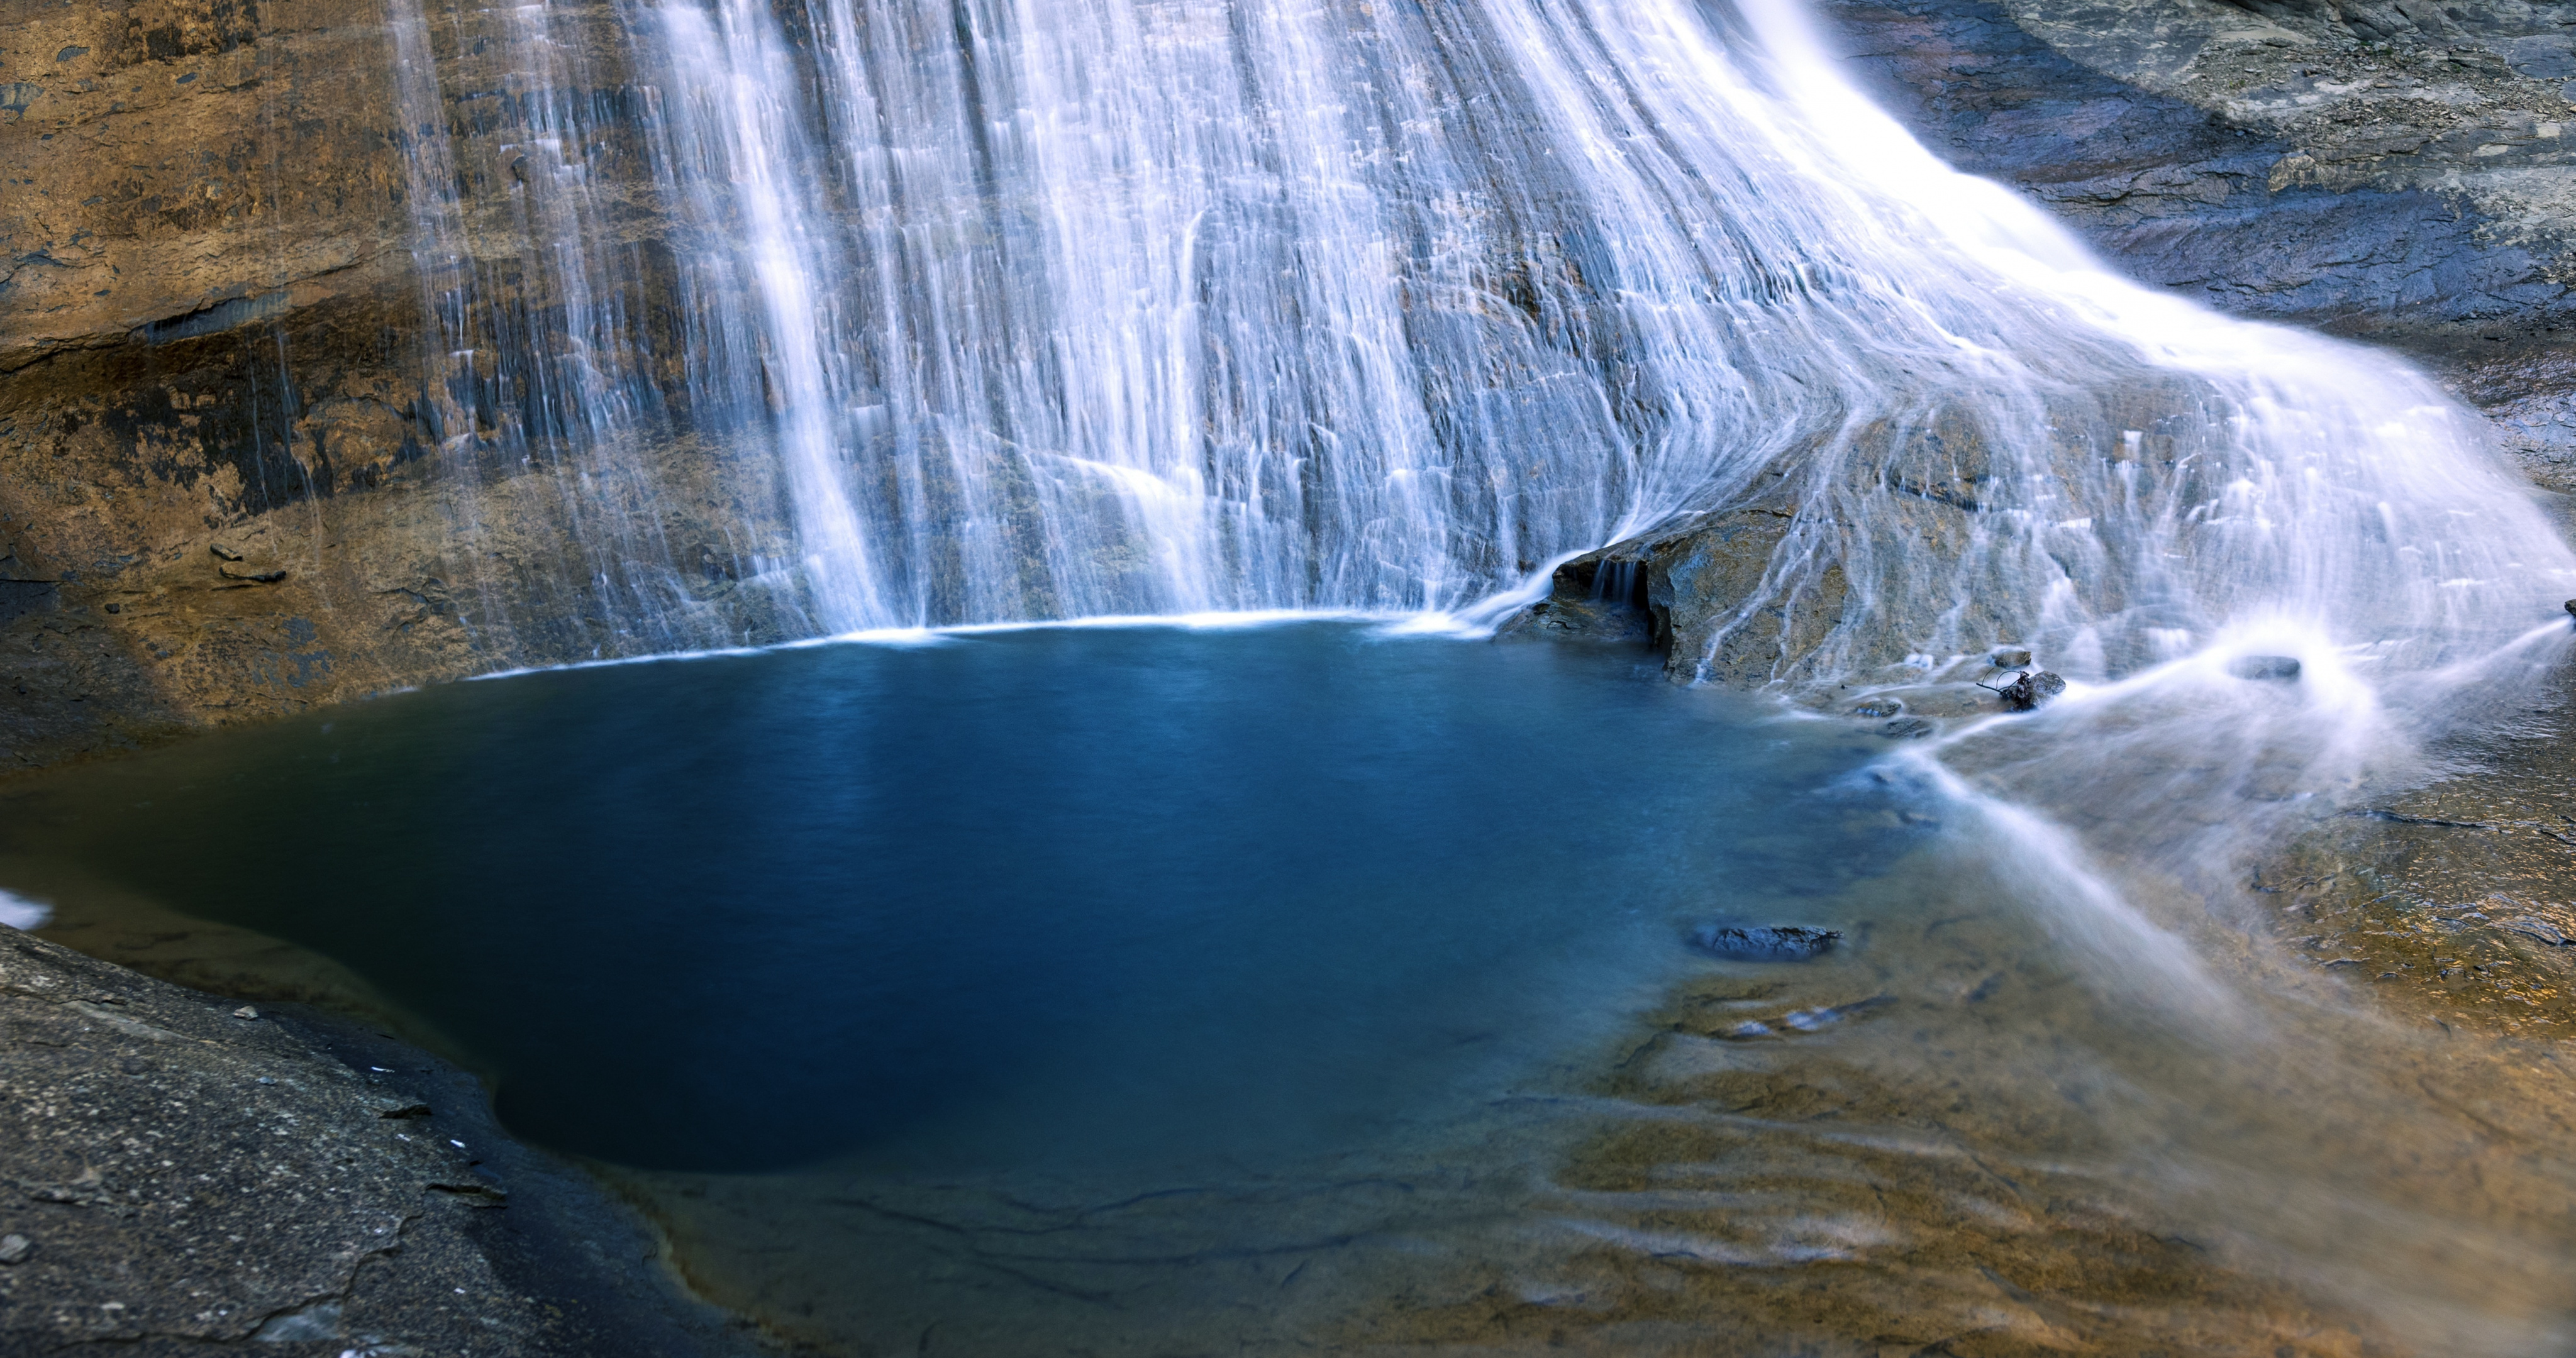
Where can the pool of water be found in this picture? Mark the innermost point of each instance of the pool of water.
(1090, 895)
(1157, 989)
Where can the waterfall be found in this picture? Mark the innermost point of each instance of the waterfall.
(983, 311)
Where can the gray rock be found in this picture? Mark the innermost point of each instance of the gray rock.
(1906, 728)
(1880, 708)
(2010, 659)
(2278, 668)
(2029, 691)
(198, 1181)
(2277, 170)
(1764, 943)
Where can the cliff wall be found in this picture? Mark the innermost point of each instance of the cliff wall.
(228, 352)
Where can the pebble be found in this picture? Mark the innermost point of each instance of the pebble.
(15, 1248)
(246, 1012)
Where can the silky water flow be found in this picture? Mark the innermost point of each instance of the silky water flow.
(988, 313)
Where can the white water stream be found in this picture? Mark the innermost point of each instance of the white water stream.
(1068, 309)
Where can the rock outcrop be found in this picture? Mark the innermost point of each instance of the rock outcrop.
(181, 1174)
(2341, 166)
(229, 359)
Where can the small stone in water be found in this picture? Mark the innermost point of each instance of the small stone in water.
(245, 1012)
(1750, 1028)
(15, 1248)
(2027, 691)
(2264, 667)
(1880, 707)
(1906, 728)
(1768, 943)
(2571, 608)
(2010, 659)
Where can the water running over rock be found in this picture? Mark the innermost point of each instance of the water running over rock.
(1114, 308)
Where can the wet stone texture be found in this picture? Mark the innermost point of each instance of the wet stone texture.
(2451, 898)
(1802, 1203)
(182, 1175)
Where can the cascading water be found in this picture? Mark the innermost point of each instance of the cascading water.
(1065, 310)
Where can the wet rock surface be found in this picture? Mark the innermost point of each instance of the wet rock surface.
(2399, 171)
(2394, 172)
(182, 1175)
(239, 473)
(2447, 898)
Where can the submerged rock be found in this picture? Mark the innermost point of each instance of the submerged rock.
(1906, 728)
(2273, 667)
(1764, 943)
(2010, 659)
(1880, 707)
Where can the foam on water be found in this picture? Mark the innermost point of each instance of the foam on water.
(19, 912)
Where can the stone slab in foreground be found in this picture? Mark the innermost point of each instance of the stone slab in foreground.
(180, 1174)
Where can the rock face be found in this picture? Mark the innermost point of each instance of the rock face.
(183, 1174)
(229, 361)
(2397, 172)
(2340, 165)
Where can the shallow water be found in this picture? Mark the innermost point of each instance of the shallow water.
(1172, 989)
